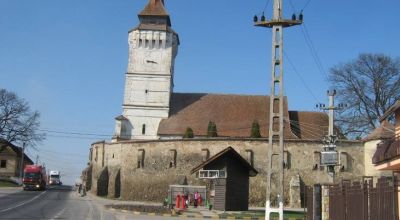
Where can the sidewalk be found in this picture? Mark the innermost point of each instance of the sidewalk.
(254, 213)
(4, 191)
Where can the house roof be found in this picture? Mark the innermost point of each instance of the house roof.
(17, 150)
(384, 131)
(234, 115)
(391, 110)
(233, 154)
(386, 151)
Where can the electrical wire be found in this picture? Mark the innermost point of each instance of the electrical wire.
(301, 78)
(313, 51)
(305, 6)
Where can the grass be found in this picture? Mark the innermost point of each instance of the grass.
(7, 184)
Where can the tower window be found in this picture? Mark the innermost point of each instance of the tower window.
(143, 129)
(3, 164)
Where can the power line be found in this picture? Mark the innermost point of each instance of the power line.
(301, 78)
(305, 6)
(313, 51)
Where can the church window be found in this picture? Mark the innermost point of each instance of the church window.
(250, 157)
(144, 129)
(286, 160)
(173, 154)
(317, 160)
(205, 154)
(140, 158)
(345, 162)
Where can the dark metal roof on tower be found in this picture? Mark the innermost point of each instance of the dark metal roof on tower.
(155, 8)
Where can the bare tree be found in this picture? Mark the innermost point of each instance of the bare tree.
(18, 124)
(369, 85)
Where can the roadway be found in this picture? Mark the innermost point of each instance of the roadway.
(58, 202)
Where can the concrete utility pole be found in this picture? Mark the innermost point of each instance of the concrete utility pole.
(329, 155)
(277, 23)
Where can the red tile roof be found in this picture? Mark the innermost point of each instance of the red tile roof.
(234, 114)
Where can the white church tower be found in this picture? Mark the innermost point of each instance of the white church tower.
(153, 46)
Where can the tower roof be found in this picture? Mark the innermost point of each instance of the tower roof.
(155, 14)
(154, 8)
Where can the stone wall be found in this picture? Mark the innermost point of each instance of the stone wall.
(147, 168)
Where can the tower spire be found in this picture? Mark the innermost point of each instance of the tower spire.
(277, 23)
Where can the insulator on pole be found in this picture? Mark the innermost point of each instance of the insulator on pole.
(263, 17)
(255, 18)
(301, 16)
(294, 17)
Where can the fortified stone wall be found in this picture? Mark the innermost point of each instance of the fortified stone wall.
(147, 168)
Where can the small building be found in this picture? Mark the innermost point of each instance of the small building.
(230, 174)
(387, 155)
(10, 159)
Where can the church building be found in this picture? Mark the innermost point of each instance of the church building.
(148, 152)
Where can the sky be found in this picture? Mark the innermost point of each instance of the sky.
(67, 58)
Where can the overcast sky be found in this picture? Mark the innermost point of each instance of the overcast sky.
(67, 58)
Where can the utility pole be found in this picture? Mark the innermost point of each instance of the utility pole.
(329, 156)
(37, 159)
(277, 23)
(21, 163)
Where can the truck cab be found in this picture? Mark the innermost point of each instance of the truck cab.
(54, 178)
(34, 177)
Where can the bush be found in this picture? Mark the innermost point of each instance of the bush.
(188, 133)
(255, 130)
(212, 129)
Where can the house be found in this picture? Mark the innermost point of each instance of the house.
(10, 159)
(387, 155)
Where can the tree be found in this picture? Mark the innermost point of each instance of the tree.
(255, 130)
(18, 124)
(212, 129)
(369, 85)
(188, 133)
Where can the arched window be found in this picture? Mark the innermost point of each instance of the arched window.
(144, 129)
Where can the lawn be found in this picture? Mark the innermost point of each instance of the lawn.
(7, 184)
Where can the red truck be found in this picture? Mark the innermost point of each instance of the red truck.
(34, 177)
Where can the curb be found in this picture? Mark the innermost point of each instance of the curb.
(193, 215)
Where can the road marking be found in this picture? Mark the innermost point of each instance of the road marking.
(58, 214)
(23, 203)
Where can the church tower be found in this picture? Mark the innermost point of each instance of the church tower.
(153, 46)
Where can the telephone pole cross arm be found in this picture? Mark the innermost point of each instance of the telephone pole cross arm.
(277, 23)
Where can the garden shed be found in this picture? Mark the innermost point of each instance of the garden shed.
(229, 175)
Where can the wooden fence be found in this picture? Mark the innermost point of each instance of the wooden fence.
(363, 201)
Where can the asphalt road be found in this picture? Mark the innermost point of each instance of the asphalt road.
(58, 202)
